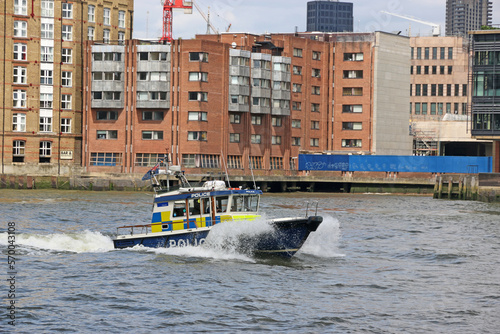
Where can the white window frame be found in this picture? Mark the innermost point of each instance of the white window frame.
(20, 7)
(66, 101)
(106, 16)
(121, 19)
(46, 100)
(20, 51)
(67, 10)
(19, 98)
(47, 31)
(47, 8)
(66, 78)
(107, 134)
(67, 56)
(106, 33)
(67, 32)
(19, 75)
(18, 148)
(255, 139)
(65, 125)
(197, 135)
(121, 38)
(47, 54)
(19, 122)
(45, 124)
(152, 135)
(46, 77)
(20, 28)
(91, 13)
(45, 149)
(90, 33)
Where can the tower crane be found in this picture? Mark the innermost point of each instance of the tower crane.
(207, 18)
(168, 7)
(436, 28)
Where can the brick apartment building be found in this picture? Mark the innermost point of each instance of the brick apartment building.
(42, 72)
(251, 102)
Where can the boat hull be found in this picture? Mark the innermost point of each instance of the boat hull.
(287, 238)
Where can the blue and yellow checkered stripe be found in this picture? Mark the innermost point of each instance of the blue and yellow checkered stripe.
(161, 221)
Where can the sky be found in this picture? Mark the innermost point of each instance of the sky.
(280, 16)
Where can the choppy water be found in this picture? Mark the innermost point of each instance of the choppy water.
(378, 264)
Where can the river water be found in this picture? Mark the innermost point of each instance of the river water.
(378, 264)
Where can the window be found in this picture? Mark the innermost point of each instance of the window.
(19, 99)
(424, 89)
(107, 16)
(234, 162)
(276, 162)
(236, 80)
(19, 75)
(352, 126)
(47, 54)
(67, 33)
(45, 151)
(234, 118)
(152, 135)
(46, 101)
(424, 108)
(256, 162)
(276, 121)
(417, 108)
(152, 115)
(440, 90)
(105, 36)
(448, 108)
(419, 69)
(314, 142)
(297, 52)
(297, 88)
(107, 134)
(426, 69)
(434, 53)
(147, 159)
(297, 70)
(457, 90)
(316, 73)
(276, 140)
(316, 55)
(450, 53)
(197, 135)
(197, 116)
(19, 122)
(315, 90)
(200, 160)
(234, 137)
(464, 88)
(296, 105)
(419, 53)
(90, 33)
(353, 74)
(66, 78)
(433, 89)
(351, 142)
(315, 107)
(296, 123)
(314, 125)
(158, 96)
(256, 120)
(426, 53)
(442, 53)
(103, 115)
(47, 30)
(91, 13)
(20, 29)
(66, 101)
(350, 108)
(45, 77)
(20, 50)
(353, 56)
(67, 10)
(45, 124)
(255, 139)
(354, 91)
(121, 19)
(198, 56)
(448, 90)
(450, 69)
(434, 69)
(296, 141)
(20, 7)
(198, 96)
(18, 147)
(66, 125)
(105, 159)
(198, 76)
(433, 108)
(121, 38)
(67, 56)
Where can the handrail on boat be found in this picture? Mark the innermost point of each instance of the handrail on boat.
(131, 227)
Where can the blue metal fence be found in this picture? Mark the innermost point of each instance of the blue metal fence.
(395, 163)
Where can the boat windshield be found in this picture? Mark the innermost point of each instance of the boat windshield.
(245, 203)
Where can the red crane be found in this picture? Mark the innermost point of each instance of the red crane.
(168, 6)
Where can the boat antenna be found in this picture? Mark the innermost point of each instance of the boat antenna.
(167, 164)
(251, 170)
(225, 167)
